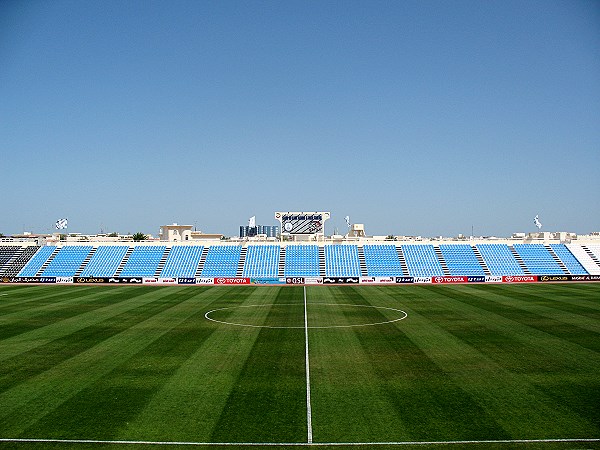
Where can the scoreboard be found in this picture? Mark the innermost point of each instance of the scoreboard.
(305, 223)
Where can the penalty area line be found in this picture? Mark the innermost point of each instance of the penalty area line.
(297, 444)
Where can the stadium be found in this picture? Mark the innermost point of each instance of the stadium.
(442, 316)
(304, 255)
(300, 340)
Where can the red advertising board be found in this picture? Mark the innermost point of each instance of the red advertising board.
(231, 281)
(444, 280)
(519, 278)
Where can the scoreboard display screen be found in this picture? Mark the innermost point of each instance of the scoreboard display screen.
(302, 223)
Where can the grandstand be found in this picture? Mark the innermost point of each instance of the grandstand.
(249, 261)
(222, 261)
(461, 260)
(105, 261)
(302, 261)
(500, 260)
(422, 261)
(341, 261)
(382, 260)
(262, 261)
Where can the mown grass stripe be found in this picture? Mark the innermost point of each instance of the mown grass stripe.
(347, 402)
(572, 383)
(41, 358)
(101, 409)
(198, 390)
(476, 311)
(49, 310)
(267, 402)
(116, 302)
(573, 295)
(566, 375)
(38, 300)
(24, 404)
(15, 298)
(433, 405)
(570, 332)
(521, 409)
(552, 305)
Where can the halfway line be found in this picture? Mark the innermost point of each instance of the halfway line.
(308, 407)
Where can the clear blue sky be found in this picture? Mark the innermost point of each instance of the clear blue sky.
(412, 117)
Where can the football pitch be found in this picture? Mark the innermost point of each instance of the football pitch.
(420, 366)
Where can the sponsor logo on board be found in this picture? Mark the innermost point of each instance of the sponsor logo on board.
(519, 278)
(444, 280)
(229, 281)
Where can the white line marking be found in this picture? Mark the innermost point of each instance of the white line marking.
(308, 406)
(405, 315)
(298, 444)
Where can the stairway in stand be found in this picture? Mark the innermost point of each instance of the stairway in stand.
(526, 271)
(86, 261)
(322, 261)
(48, 261)
(402, 259)
(202, 261)
(242, 261)
(162, 262)
(440, 256)
(362, 262)
(124, 261)
(281, 268)
(557, 259)
(486, 269)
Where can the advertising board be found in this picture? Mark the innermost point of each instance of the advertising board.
(90, 280)
(405, 280)
(341, 280)
(64, 280)
(126, 280)
(553, 278)
(377, 280)
(519, 278)
(445, 280)
(493, 279)
(422, 279)
(267, 280)
(476, 279)
(585, 277)
(36, 279)
(231, 281)
(313, 280)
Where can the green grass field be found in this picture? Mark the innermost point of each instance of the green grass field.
(386, 365)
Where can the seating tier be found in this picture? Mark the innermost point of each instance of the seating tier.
(382, 260)
(301, 261)
(222, 261)
(262, 261)
(499, 259)
(342, 261)
(182, 261)
(461, 260)
(422, 261)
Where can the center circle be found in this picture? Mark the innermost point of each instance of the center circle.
(291, 315)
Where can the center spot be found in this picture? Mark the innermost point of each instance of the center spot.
(319, 315)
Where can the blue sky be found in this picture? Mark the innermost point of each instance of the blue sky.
(412, 117)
